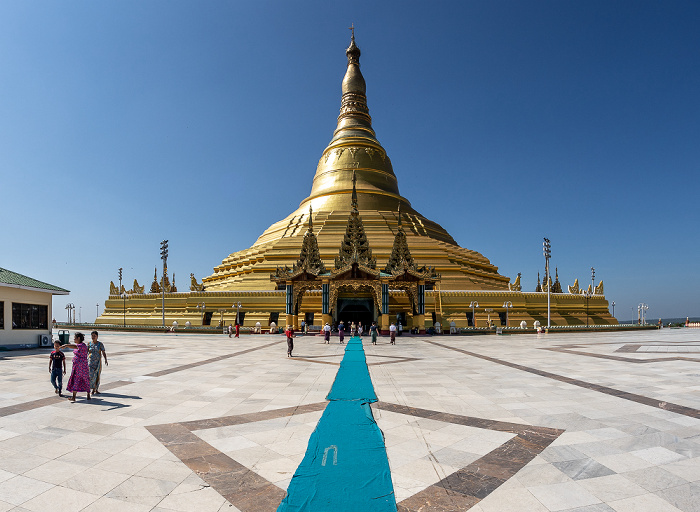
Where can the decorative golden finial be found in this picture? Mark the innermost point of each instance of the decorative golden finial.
(399, 214)
(311, 222)
(351, 28)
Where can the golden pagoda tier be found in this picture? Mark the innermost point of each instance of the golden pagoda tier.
(355, 185)
(355, 150)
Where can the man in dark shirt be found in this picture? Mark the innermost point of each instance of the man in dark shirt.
(57, 359)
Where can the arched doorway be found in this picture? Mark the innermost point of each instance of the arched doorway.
(356, 309)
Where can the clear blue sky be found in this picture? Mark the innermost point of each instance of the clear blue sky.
(126, 122)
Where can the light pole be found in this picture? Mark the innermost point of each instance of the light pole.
(641, 312)
(201, 305)
(613, 306)
(164, 257)
(473, 304)
(547, 251)
(507, 305)
(588, 296)
(124, 307)
(120, 279)
(69, 307)
(238, 309)
(97, 311)
(593, 280)
(80, 314)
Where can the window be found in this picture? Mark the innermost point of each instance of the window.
(29, 316)
(2, 315)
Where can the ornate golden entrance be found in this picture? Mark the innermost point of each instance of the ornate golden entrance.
(355, 282)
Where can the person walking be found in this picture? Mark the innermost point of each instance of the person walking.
(327, 333)
(290, 340)
(79, 381)
(238, 329)
(56, 360)
(373, 332)
(96, 350)
(303, 327)
(353, 329)
(341, 331)
(359, 329)
(230, 330)
(392, 334)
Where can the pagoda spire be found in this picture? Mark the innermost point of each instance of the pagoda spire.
(355, 247)
(400, 258)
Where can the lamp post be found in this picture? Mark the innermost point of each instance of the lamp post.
(124, 307)
(97, 311)
(547, 251)
(588, 296)
(473, 304)
(593, 280)
(238, 309)
(164, 257)
(120, 279)
(641, 313)
(70, 307)
(613, 306)
(80, 314)
(201, 305)
(507, 305)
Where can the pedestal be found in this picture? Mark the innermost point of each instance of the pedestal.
(326, 319)
(419, 321)
(289, 321)
(385, 325)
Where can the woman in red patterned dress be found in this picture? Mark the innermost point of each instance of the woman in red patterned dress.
(80, 372)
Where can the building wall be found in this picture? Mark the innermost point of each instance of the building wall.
(448, 306)
(22, 338)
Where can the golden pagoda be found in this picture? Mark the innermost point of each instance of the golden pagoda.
(355, 183)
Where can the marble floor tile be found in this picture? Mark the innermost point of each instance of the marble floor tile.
(617, 416)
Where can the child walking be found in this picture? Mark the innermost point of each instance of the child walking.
(57, 367)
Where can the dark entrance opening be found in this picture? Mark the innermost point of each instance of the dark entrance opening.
(356, 309)
(207, 318)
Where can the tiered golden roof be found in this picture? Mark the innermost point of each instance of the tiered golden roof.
(354, 153)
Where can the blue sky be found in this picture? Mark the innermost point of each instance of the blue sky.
(126, 122)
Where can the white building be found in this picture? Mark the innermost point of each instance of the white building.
(25, 310)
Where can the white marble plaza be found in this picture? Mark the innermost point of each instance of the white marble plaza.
(628, 412)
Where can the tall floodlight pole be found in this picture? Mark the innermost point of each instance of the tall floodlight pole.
(613, 306)
(473, 304)
(593, 280)
(164, 257)
(120, 279)
(124, 307)
(547, 251)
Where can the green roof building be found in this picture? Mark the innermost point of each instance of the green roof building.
(25, 310)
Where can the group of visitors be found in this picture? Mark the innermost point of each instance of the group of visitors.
(230, 330)
(357, 331)
(86, 369)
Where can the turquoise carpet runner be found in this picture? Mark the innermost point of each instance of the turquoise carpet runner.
(345, 468)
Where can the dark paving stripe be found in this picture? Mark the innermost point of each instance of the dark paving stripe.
(466, 487)
(678, 409)
(55, 399)
(459, 491)
(208, 361)
(621, 358)
(243, 488)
